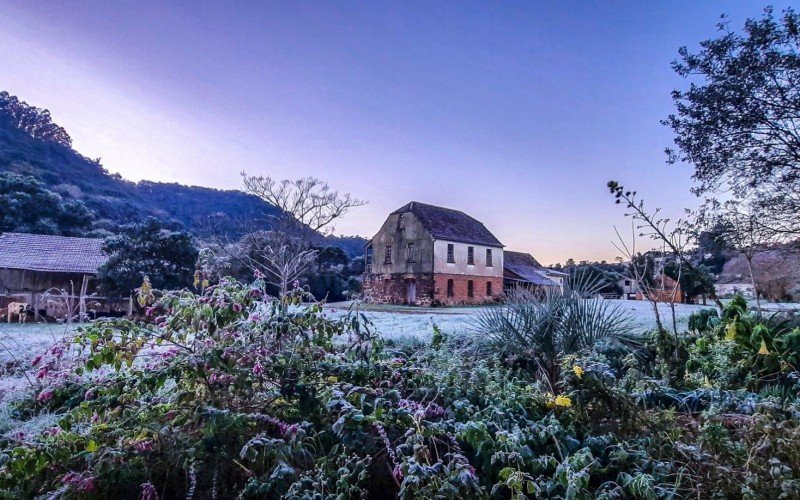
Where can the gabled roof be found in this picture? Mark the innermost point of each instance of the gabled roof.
(520, 259)
(522, 266)
(42, 252)
(450, 225)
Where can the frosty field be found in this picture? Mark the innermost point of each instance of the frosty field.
(402, 321)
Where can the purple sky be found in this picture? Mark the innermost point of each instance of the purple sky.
(517, 113)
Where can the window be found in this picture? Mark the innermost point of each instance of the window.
(470, 289)
(627, 282)
(488, 257)
(488, 288)
(388, 257)
(409, 252)
(401, 222)
(450, 292)
(451, 254)
(386, 286)
(470, 256)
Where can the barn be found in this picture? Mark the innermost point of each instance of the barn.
(33, 266)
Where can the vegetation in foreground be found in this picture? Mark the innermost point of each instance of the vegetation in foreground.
(234, 394)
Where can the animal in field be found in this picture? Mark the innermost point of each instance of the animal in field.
(20, 309)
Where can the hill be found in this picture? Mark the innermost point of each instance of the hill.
(776, 270)
(32, 144)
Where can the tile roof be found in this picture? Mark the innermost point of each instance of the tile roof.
(522, 266)
(42, 252)
(451, 225)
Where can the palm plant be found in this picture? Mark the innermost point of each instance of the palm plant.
(542, 328)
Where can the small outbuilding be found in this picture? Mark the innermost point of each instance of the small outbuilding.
(523, 270)
(33, 266)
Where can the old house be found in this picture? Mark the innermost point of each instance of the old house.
(32, 264)
(629, 287)
(429, 255)
(522, 269)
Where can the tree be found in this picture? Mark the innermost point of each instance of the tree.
(308, 209)
(738, 125)
(27, 206)
(165, 255)
(696, 281)
(307, 206)
(35, 121)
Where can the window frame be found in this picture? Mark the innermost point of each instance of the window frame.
(451, 253)
(470, 289)
(451, 287)
(470, 256)
(489, 258)
(489, 289)
(387, 256)
(410, 252)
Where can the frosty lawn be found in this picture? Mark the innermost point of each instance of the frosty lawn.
(401, 321)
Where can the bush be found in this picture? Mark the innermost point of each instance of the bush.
(231, 394)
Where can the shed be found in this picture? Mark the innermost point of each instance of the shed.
(522, 269)
(32, 264)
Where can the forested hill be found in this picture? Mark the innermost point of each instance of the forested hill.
(31, 144)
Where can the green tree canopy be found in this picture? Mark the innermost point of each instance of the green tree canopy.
(737, 123)
(165, 255)
(27, 206)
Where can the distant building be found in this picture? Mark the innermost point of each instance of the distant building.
(629, 288)
(429, 255)
(724, 290)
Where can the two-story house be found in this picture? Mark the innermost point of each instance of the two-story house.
(429, 255)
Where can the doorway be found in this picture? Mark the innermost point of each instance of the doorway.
(411, 291)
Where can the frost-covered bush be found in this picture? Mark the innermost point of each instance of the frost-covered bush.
(232, 394)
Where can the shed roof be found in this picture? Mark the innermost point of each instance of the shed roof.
(524, 267)
(450, 225)
(43, 252)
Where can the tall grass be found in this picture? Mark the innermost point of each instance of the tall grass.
(541, 327)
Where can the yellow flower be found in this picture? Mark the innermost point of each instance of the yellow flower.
(563, 401)
(332, 379)
(730, 332)
(763, 349)
(578, 371)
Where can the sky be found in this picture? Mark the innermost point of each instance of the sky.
(517, 113)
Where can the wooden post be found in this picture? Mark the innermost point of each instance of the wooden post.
(82, 298)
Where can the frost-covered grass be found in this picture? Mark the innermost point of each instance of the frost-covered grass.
(394, 321)
(19, 341)
(19, 344)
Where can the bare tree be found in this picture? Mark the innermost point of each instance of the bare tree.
(742, 228)
(307, 209)
(676, 238)
(638, 274)
(308, 205)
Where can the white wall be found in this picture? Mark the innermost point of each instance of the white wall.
(440, 264)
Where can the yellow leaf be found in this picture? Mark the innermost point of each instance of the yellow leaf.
(763, 349)
(92, 446)
(578, 371)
